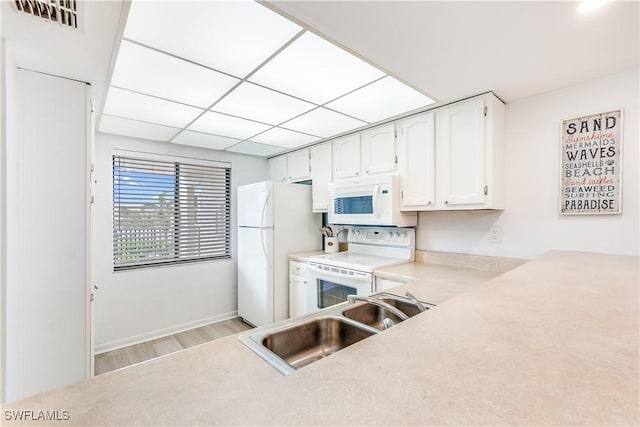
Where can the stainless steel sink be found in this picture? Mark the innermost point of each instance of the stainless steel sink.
(292, 344)
(371, 315)
(407, 307)
(300, 343)
(374, 315)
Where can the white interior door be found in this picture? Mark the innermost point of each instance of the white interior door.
(47, 267)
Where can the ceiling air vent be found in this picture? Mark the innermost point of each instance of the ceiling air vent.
(64, 12)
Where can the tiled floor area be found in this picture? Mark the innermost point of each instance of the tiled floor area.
(131, 355)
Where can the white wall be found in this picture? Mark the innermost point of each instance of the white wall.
(133, 306)
(530, 223)
(9, 224)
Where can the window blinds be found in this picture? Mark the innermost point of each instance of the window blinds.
(169, 212)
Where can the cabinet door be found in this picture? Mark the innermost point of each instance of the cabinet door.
(321, 175)
(379, 150)
(298, 297)
(278, 168)
(417, 163)
(298, 165)
(460, 140)
(346, 157)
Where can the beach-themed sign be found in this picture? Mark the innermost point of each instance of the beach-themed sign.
(591, 165)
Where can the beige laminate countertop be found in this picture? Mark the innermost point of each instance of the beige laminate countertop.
(304, 256)
(437, 283)
(553, 342)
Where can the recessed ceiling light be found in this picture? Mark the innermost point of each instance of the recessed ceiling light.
(230, 36)
(148, 71)
(123, 103)
(380, 100)
(255, 149)
(284, 138)
(204, 140)
(590, 5)
(323, 122)
(136, 129)
(263, 105)
(221, 124)
(311, 68)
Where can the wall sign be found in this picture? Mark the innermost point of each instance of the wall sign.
(591, 165)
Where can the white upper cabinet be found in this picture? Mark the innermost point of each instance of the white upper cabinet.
(321, 175)
(469, 148)
(449, 158)
(346, 157)
(367, 153)
(416, 162)
(278, 168)
(294, 166)
(299, 165)
(378, 150)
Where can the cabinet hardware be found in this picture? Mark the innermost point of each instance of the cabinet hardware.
(485, 110)
(429, 202)
(446, 202)
(395, 159)
(486, 190)
(91, 297)
(402, 195)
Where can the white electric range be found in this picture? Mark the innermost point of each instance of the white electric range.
(332, 277)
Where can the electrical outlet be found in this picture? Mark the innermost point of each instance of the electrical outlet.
(495, 234)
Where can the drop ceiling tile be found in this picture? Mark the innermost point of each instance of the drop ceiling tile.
(204, 140)
(132, 105)
(323, 122)
(224, 125)
(230, 36)
(311, 68)
(263, 105)
(380, 100)
(148, 71)
(136, 129)
(284, 138)
(255, 149)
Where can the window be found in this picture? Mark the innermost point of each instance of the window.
(167, 212)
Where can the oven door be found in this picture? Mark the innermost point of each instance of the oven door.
(331, 285)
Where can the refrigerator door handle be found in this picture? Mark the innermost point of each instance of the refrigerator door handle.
(264, 209)
(264, 248)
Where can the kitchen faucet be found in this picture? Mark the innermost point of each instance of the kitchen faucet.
(415, 300)
(353, 298)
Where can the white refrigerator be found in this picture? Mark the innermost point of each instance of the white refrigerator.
(274, 220)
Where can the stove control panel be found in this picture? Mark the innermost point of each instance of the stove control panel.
(382, 236)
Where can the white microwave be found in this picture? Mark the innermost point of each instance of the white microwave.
(370, 200)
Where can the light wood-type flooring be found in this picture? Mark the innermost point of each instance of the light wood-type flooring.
(116, 359)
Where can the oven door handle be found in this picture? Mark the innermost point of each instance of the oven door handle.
(374, 202)
(358, 277)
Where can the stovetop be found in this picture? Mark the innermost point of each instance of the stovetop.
(357, 261)
(371, 248)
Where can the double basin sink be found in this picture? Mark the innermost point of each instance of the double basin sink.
(299, 342)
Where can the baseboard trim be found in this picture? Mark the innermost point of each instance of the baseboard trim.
(160, 333)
